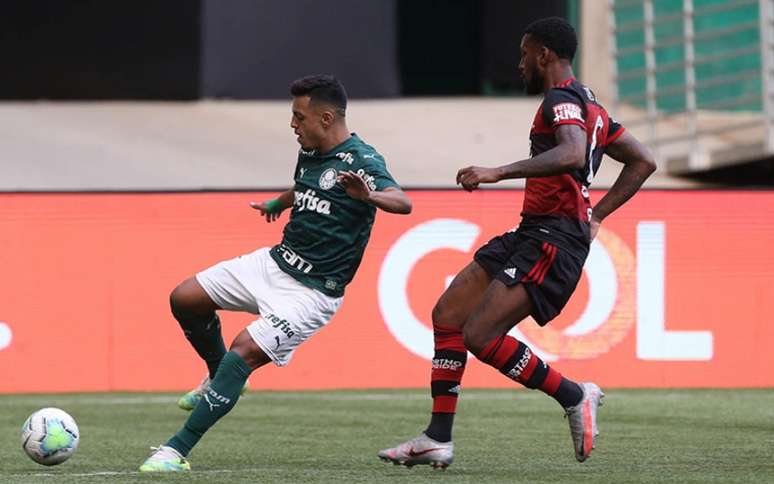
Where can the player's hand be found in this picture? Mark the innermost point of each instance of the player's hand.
(261, 207)
(594, 227)
(472, 176)
(354, 185)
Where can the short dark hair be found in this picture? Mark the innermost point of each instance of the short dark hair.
(322, 88)
(555, 33)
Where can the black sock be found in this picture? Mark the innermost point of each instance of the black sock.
(206, 339)
(440, 428)
(569, 393)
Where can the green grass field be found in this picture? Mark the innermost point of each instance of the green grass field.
(501, 436)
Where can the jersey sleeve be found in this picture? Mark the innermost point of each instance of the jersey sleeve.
(614, 130)
(561, 107)
(374, 172)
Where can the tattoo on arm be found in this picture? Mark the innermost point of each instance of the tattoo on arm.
(569, 154)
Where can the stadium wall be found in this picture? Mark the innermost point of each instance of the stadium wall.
(252, 49)
(677, 292)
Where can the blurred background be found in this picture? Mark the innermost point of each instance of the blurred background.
(192, 94)
(112, 112)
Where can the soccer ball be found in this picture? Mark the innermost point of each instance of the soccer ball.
(50, 436)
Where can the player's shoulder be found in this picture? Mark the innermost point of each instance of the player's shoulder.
(365, 154)
(572, 90)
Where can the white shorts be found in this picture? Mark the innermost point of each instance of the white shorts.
(288, 311)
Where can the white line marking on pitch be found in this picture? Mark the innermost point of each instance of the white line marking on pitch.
(143, 400)
(129, 473)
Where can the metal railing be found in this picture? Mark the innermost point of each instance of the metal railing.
(693, 96)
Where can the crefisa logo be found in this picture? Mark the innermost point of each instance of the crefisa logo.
(626, 292)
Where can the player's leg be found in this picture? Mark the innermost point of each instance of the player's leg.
(225, 285)
(194, 310)
(290, 313)
(243, 357)
(434, 446)
(222, 394)
(541, 291)
(486, 337)
(450, 357)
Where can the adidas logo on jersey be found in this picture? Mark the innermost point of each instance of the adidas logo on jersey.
(309, 200)
(511, 272)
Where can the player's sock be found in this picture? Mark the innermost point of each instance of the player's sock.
(217, 401)
(448, 367)
(206, 338)
(515, 360)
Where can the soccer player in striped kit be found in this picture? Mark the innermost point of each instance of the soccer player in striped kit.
(533, 270)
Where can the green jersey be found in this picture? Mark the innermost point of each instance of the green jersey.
(328, 231)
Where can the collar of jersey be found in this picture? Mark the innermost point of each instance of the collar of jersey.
(339, 147)
(565, 82)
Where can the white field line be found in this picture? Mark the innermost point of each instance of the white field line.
(130, 473)
(311, 396)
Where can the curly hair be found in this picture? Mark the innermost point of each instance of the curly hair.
(555, 33)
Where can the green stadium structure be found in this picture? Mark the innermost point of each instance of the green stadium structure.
(697, 73)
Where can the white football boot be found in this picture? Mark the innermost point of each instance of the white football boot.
(583, 420)
(418, 451)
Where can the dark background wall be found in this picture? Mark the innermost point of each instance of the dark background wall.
(503, 22)
(439, 46)
(450, 47)
(252, 49)
(97, 49)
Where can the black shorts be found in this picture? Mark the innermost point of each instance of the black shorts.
(548, 272)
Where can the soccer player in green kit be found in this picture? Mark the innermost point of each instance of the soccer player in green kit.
(296, 286)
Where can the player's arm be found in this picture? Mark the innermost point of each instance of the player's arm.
(638, 165)
(569, 154)
(271, 209)
(391, 199)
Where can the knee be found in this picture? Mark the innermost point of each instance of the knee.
(475, 341)
(444, 315)
(244, 346)
(188, 306)
(178, 302)
(437, 314)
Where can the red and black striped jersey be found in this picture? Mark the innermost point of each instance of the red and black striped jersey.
(562, 201)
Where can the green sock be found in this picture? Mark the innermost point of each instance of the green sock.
(218, 401)
(207, 340)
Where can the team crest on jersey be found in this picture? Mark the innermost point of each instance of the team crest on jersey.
(567, 111)
(328, 179)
